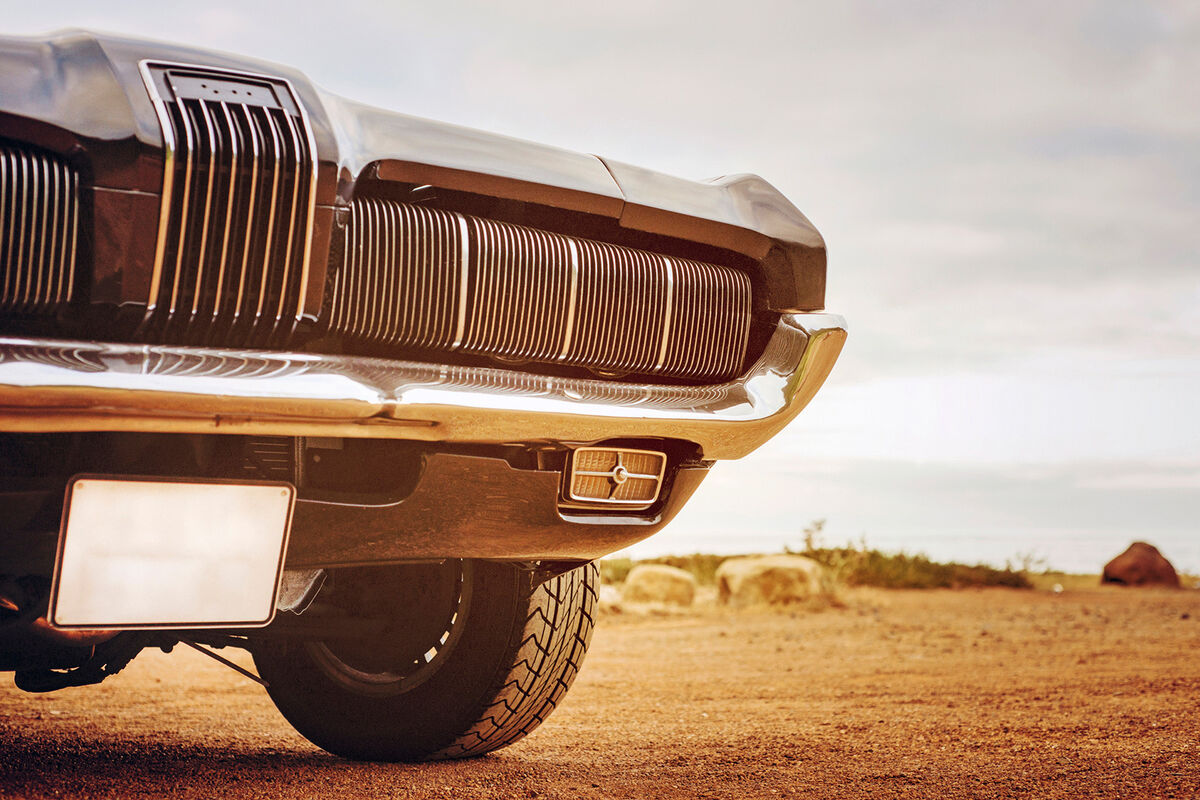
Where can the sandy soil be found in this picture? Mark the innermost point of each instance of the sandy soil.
(901, 694)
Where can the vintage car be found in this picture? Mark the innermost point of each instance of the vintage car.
(363, 394)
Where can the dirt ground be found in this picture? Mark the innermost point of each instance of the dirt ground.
(994, 693)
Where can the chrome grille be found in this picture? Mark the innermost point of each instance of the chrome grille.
(39, 215)
(233, 248)
(403, 278)
(414, 277)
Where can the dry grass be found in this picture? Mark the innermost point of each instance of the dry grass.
(853, 565)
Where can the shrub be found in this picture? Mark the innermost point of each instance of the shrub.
(858, 565)
(852, 565)
(702, 566)
(862, 567)
(614, 570)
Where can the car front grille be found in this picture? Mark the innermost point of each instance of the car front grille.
(427, 279)
(233, 249)
(39, 223)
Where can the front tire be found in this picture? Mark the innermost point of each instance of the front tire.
(501, 654)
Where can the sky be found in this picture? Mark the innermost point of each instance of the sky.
(1010, 194)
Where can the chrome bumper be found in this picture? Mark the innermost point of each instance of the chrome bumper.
(55, 386)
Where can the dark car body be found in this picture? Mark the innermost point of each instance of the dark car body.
(117, 355)
(263, 349)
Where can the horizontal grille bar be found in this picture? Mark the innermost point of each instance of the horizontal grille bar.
(415, 277)
(238, 194)
(39, 231)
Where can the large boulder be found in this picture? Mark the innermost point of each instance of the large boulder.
(1141, 565)
(610, 599)
(658, 583)
(773, 580)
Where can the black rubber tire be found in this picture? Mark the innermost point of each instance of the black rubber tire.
(516, 655)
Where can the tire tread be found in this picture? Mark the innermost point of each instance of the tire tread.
(549, 645)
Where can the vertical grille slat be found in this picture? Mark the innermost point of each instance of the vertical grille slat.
(71, 239)
(289, 256)
(40, 276)
(231, 184)
(180, 117)
(51, 264)
(438, 281)
(39, 223)
(275, 158)
(247, 131)
(238, 200)
(24, 267)
(212, 147)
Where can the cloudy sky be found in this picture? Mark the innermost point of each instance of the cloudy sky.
(1010, 193)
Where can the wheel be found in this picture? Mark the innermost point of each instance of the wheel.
(472, 658)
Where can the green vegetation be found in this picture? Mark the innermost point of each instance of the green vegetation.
(856, 566)
(852, 565)
(859, 565)
(703, 567)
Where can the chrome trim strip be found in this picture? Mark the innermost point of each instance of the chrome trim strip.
(21, 234)
(48, 386)
(291, 225)
(233, 172)
(268, 239)
(666, 319)
(41, 256)
(168, 187)
(572, 300)
(70, 267)
(314, 166)
(374, 300)
(247, 245)
(55, 277)
(181, 247)
(6, 223)
(198, 290)
(464, 244)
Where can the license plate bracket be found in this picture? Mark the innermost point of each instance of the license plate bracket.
(149, 552)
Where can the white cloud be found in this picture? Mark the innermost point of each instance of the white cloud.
(1042, 410)
(1009, 191)
(1145, 479)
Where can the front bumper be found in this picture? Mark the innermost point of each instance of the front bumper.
(62, 386)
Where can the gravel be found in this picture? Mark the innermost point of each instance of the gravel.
(993, 693)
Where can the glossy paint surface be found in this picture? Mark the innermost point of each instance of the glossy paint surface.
(498, 512)
(82, 93)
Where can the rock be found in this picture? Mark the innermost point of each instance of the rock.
(658, 583)
(1141, 565)
(773, 580)
(610, 598)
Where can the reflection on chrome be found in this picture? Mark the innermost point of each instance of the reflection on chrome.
(158, 388)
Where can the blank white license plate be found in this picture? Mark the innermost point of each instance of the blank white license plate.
(147, 553)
